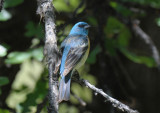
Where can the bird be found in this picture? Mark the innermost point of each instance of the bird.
(75, 49)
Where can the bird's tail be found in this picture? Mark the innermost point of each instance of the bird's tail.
(64, 88)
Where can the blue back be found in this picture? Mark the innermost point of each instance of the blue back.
(77, 36)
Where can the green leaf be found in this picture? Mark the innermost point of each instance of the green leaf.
(3, 81)
(64, 108)
(115, 28)
(149, 61)
(38, 54)
(34, 30)
(31, 73)
(120, 8)
(30, 27)
(67, 5)
(4, 111)
(3, 51)
(17, 57)
(92, 57)
(5, 15)
(124, 37)
(12, 3)
(117, 35)
(158, 21)
(36, 96)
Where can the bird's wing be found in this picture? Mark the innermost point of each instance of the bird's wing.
(75, 54)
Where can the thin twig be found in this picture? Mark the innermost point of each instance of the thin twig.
(51, 52)
(148, 41)
(41, 105)
(114, 102)
(82, 102)
(134, 26)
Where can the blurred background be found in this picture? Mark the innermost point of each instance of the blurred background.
(123, 61)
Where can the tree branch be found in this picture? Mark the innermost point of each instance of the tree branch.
(51, 52)
(134, 26)
(114, 102)
(148, 41)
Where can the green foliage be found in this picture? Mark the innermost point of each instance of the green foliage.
(67, 5)
(3, 81)
(4, 111)
(29, 87)
(117, 35)
(121, 9)
(110, 45)
(36, 96)
(64, 108)
(158, 21)
(19, 57)
(92, 57)
(12, 3)
(5, 15)
(115, 29)
(34, 30)
(149, 61)
(82, 91)
(37, 53)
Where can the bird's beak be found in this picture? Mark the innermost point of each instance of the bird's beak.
(87, 26)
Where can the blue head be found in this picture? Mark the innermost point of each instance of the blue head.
(80, 28)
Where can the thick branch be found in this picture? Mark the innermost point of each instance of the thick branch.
(114, 102)
(51, 52)
(148, 41)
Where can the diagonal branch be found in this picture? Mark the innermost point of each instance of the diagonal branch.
(114, 102)
(134, 26)
(147, 40)
(51, 52)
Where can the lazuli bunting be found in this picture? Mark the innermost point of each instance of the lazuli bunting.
(75, 49)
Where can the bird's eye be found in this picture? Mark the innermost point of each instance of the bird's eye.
(81, 25)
